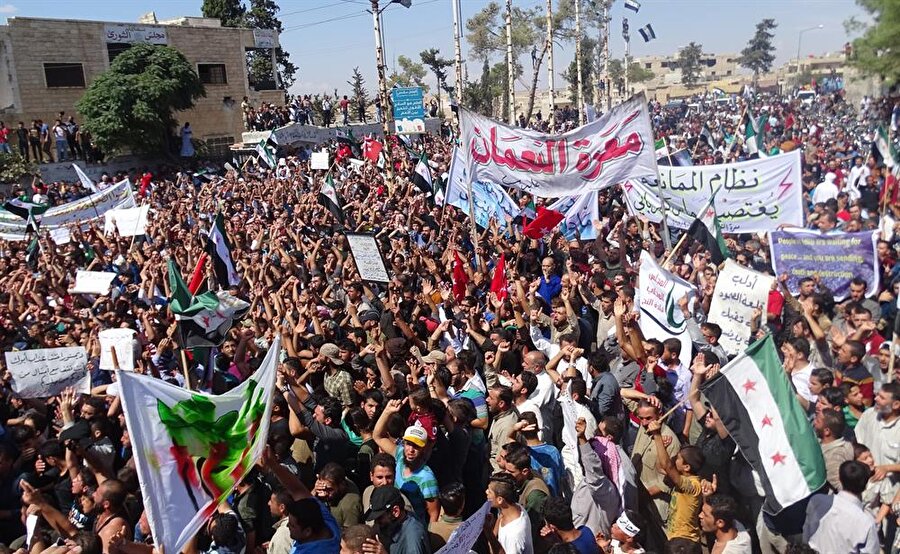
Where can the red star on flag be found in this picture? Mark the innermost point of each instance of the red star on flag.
(767, 421)
(778, 458)
(749, 386)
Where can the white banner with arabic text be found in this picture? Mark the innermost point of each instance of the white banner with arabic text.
(756, 195)
(603, 153)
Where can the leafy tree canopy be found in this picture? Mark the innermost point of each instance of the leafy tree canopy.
(229, 12)
(132, 104)
(411, 74)
(877, 51)
(689, 63)
(759, 54)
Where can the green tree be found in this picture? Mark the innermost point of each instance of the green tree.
(587, 71)
(263, 15)
(432, 59)
(486, 35)
(689, 63)
(636, 73)
(759, 54)
(13, 167)
(479, 96)
(360, 96)
(877, 51)
(229, 12)
(412, 74)
(131, 105)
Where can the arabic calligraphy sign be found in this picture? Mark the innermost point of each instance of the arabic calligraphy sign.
(610, 150)
(123, 33)
(488, 200)
(463, 537)
(657, 297)
(738, 292)
(836, 258)
(367, 257)
(48, 371)
(756, 195)
(579, 213)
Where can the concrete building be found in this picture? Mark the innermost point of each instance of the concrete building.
(47, 64)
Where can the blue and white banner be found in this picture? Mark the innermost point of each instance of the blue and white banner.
(490, 200)
(580, 213)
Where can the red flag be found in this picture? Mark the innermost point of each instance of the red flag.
(197, 276)
(460, 278)
(498, 281)
(371, 149)
(545, 222)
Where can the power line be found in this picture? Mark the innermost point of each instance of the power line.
(343, 17)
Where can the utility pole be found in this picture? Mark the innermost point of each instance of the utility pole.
(579, 97)
(275, 60)
(509, 65)
(627, 38)
(607, 85)
(550, 63)
(382, 94)
(457, 34)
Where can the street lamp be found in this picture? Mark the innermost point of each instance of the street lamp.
(382, 85)
(799, 39)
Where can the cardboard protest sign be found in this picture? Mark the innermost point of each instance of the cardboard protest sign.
(463, 537)
(658, 294)
(122, 340)
(48, 371)
(93, 282)
(60, 236)
(738, 292)
(836, 258)
(129, 222)
(368, 258)
(319, 160)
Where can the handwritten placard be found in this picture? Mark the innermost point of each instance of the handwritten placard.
(48, 371)
(368, 258)
(657, 299)
(128, 222)
(123, 341)
(60, 236)
(463, 537)
(93, 282)
(319, 160)
(738, 292)
(756, 195)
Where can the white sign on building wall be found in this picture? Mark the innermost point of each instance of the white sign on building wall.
(264, 38)
(122, 33)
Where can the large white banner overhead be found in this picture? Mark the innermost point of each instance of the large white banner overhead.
(603, 153)
(756, 195)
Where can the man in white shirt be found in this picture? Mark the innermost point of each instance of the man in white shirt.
(796, 364)
(718, 516)
(826, 190)
(509, 531)
(544, 396)
(839, 523)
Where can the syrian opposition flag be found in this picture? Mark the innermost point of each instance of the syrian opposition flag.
(706, 135)
(460, 277)
(757, 405)
(422, 176)
(632, 5)
(329, 198)
(191, 448)
(267, 153)
(86, 181)
(647, 33)
(27, 210)
(219, 248)
(32, 252)
(498, 281)
(754, 135)
(545, 221)
(205, 319)
(705, 230)
(885, 151)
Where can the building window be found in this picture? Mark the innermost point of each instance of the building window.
(212, 73)
(113, 49)
(64, 75)
(648, 65)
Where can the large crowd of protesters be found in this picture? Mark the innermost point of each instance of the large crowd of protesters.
(401, 408)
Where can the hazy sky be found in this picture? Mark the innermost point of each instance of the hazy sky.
(327, 38)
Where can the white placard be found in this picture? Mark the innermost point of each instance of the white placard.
(122, 340)
(93, 282)
(48, 371)
(463, 537)
(319, 160)
(129, 221)
(265, 38)
(657, 298)
(368, 258)
(61, 235)
(738, 291)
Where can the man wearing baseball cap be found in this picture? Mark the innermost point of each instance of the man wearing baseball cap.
(414, 478)
(397, 531)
